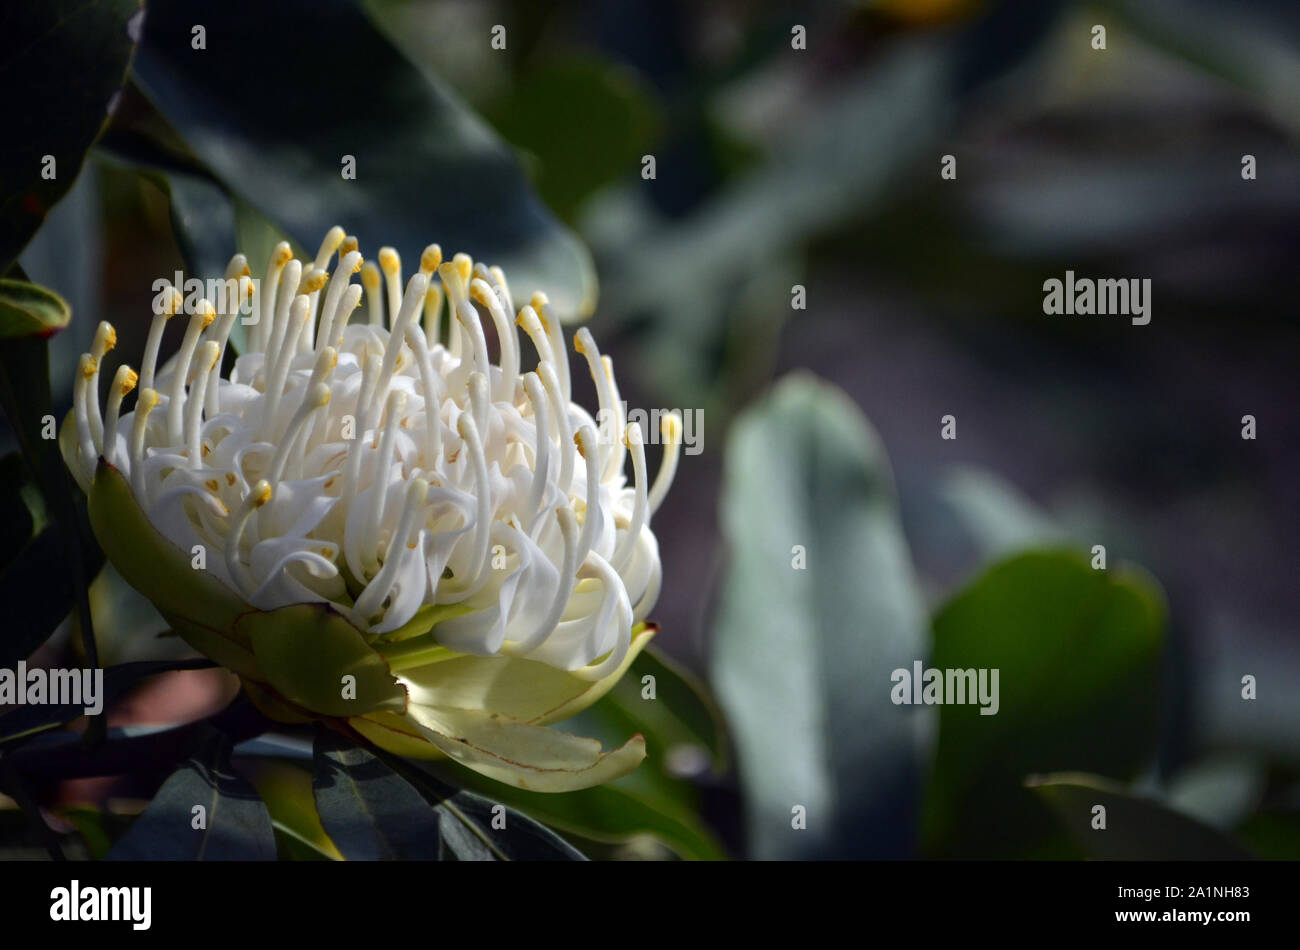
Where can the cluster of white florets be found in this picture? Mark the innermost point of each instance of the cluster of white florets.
(377, 467)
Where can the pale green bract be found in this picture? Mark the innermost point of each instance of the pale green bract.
(371, 526)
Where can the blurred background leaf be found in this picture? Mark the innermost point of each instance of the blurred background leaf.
(1078, 653)
(1136, 829)
(65, 109)
(427, 169)
(818, 608)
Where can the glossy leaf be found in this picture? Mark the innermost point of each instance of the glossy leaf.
(237, 825)
(371, 812)
(66, 60)
(286, 788)
(426, 168)
(1136, 829)
(802, 658)
(1077, 652)
(62, 558)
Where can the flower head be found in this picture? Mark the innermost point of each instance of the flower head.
(377, 498)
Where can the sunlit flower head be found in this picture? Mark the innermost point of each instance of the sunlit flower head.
(368, 464)
(380, 460)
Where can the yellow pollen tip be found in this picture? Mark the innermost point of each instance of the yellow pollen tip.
(212, 485)
(230, 478)
(430, 259)
(389, 260)
(539, 300)
(370, 275)
(89, 365)
(208, 314)
(464, 265)
(148, 400)
(108, 336)
(261, 494)
(313, 282)
(129, 380)
(350, 244)
(671, 428)
(174, 304)
(281, 255)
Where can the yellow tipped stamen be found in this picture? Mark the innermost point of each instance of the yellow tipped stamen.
(203, 365)
(348, 265)
(105, 340)
(148, 400)
(464, 265)
(260, 333)
(351, 300)
(371, 280)
(87, 370)
(313, 281)
(670, 427)
(126, 380)
(430, 258)
(634, 443)
(172, 301)
(123, 382)
(334, 237)
(202, 318)
(257, 496)
(318, 396)
(433, 314)
(390, 262)
(500, 276)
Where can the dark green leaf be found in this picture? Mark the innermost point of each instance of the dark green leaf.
(426, 168)
(62, 62)
(584, 121)
(16, 521)
(614, 813)
(372, 812)
(803, 657)
(369, 811)
(62, 558)
(237, 823)
(1077, 652)
(1136, 829)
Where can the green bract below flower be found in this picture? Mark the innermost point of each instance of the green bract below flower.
(369, 525)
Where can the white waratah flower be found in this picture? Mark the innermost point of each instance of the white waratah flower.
(360, 499)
